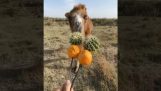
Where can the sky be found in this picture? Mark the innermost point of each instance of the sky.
(95, 8)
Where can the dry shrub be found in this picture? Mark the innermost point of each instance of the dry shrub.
(48, 23)
(103, 75)
(100, 76)
(106, 68)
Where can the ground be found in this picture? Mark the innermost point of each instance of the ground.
(139, 53)
(56, 61)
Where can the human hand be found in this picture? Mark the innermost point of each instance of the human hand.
(66, 86)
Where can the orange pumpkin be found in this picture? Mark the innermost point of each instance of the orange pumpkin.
(73, 51)
(85, 57)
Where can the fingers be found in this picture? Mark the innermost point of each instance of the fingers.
(72, 89)
(57, 90)
(66, 86)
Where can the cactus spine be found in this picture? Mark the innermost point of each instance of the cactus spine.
(76, 38)
(91, 43)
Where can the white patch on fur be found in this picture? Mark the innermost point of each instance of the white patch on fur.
(78, 23)
(79, 19)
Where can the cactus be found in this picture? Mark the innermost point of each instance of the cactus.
(91, 43)
(76, 38)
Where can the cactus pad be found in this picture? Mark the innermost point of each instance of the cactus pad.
(76, 38)
(91, 43)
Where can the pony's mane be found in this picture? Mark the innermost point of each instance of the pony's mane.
(78, 7)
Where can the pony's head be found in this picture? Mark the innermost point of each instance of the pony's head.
(77, 17)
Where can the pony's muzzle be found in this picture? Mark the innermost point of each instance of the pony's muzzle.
(78, 24)
(78, 27)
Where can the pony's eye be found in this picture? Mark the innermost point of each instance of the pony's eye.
(85, 17)
(69, 17)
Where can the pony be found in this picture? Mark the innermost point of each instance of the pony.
(79, 21)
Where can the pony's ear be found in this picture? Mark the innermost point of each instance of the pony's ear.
(67, 14)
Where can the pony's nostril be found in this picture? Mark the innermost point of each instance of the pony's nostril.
(77, 23)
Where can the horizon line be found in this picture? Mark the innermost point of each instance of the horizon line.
(90, 17)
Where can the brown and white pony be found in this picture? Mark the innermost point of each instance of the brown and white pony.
(79, 22)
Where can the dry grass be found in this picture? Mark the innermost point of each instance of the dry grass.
(56, 62)
(20, 47)
(139, 47)
(19, 53)
(104, 73)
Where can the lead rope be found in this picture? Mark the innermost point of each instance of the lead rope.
(77, 72)
(80, 66)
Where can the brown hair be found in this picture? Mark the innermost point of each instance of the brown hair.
(78, 8)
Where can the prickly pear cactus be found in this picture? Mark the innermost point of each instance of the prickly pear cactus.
(91, 43)
(76, 38)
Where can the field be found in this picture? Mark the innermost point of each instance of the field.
(139, 53)
(21, 54)
(100, 76)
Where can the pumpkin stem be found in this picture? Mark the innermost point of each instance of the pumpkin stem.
(75, 77)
